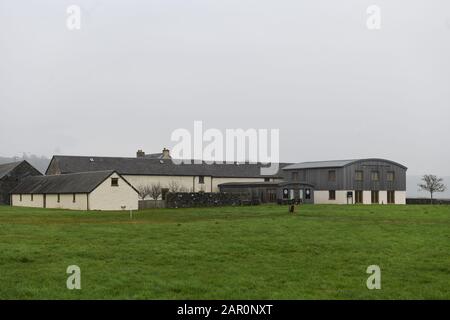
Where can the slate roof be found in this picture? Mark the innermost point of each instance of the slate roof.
(163, 167)
(8, 167)
(154, 156)
(84, 182)
(332, 164)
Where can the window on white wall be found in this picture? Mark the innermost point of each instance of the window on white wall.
(332, 195)
(114, 182)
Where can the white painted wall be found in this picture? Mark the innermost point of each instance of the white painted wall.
(400, 197)
(66, 201)
(383, 197)
(38, 201)
(107, 197)
(189, 183)
(367, 197)
(322, 197)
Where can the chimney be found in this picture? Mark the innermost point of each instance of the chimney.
(166, 154)
(140, 154)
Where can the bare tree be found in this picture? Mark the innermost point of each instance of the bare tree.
(432, 184)
(144, 191)
(174, 186)
(155, 190)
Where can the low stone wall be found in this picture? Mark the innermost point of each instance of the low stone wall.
(203, 199)
(151, 204)
(427, 201)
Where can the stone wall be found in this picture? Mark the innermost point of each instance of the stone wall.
(427, 201)
(204, 199)
(151, 204)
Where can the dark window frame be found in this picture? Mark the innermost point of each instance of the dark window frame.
(359, 175)
(114, 182)
(359, 196)
(332, 175)
(375, 196)
(374, 174)
(391, 197)
(332, 195)
(58, 198)
(74, 198)
(390, 176)
(201, 179)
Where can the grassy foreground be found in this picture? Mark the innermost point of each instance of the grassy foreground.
(321, 252)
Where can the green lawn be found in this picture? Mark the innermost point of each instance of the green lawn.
(263, 252)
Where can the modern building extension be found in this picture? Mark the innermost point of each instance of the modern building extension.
(363, 181)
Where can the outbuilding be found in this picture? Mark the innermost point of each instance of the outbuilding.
(97, 190)
(11, 174)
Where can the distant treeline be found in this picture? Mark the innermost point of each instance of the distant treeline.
(39, 162)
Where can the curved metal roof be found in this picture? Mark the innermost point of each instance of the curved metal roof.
(334, 164)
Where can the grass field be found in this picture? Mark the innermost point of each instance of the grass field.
(263, 252)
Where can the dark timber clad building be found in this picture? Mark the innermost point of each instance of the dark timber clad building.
(364, 181)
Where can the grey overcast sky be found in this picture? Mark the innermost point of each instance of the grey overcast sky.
(137, 70)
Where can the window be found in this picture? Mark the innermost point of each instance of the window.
(390, 176)
(359, 198)
(391, 197)
(31, 196)
(266, 179)
(332, 175)
(300, 194)
(307, 194)
(58, 198)
(285, 193)
(359, 175)
(114, 182)
(332, 195)
(201, 179)
(74, 198)
(375, 176)
(20, 197)
(375, 197)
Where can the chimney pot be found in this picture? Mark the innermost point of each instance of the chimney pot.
(166, 154)
(140, 154)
